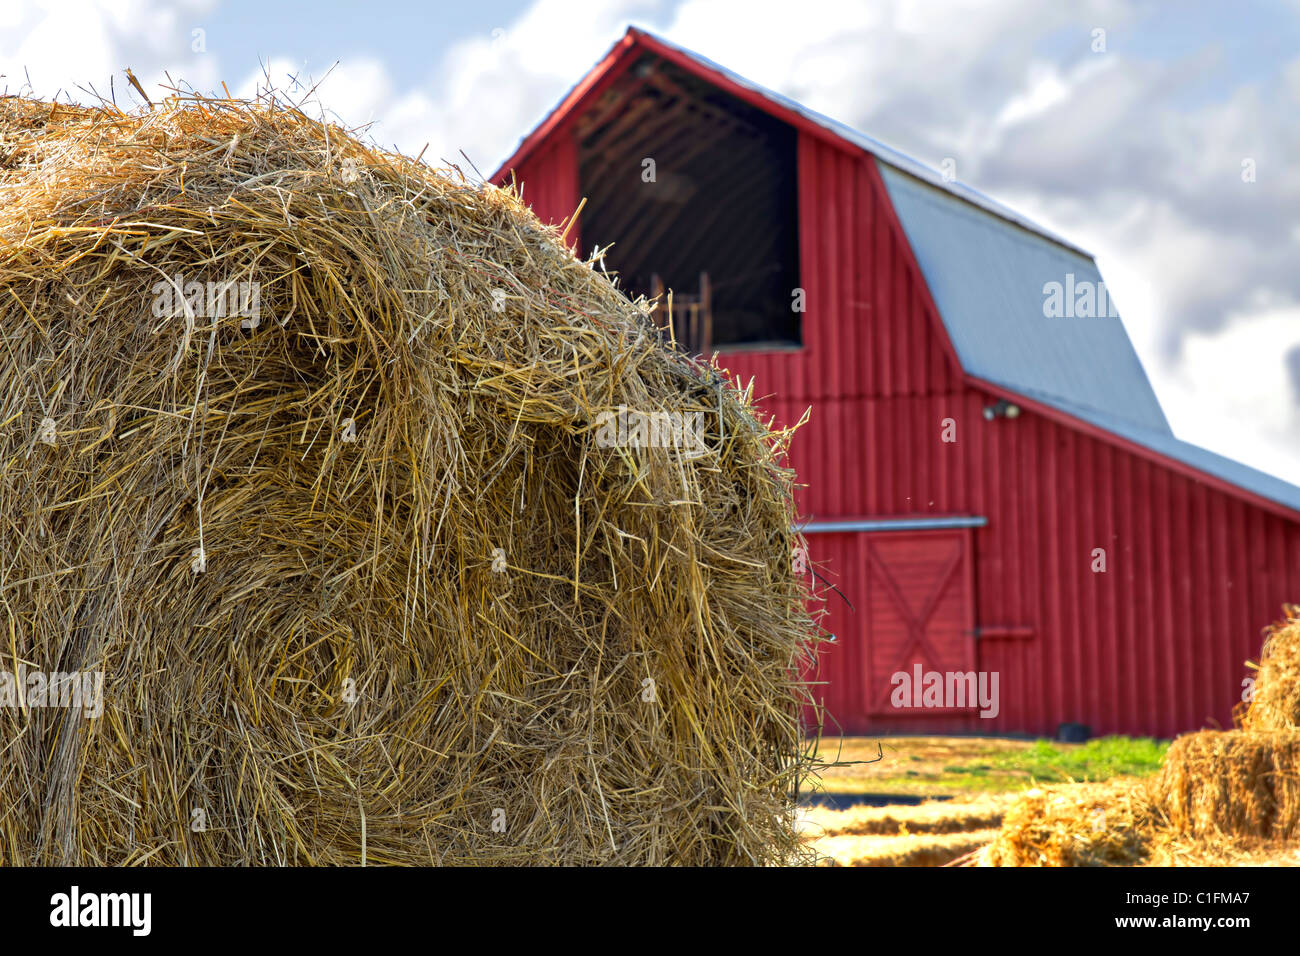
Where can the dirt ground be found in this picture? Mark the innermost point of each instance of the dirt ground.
(930, 833)
(920, 766)
(927, 834)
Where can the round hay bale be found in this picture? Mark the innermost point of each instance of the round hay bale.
(306, 450)
(1234, 783)
(1275, 703)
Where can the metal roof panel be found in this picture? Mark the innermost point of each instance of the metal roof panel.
(987, 278)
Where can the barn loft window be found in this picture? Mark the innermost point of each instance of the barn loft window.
(714, 219)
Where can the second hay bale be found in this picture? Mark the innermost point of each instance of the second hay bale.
(1102, 824)
(1240, 783)
(1275, 704)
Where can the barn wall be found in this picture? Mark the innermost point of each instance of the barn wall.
(1154, 645)
(549, 177)
(1157, 643)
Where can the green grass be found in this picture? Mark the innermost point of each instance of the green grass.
(1098, 759)
(1046, 762)
(980, 765)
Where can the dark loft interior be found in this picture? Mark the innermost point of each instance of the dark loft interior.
(719, 223)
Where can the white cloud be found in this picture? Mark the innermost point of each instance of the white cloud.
(72, 45)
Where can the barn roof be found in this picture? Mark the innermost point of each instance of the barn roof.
(986, 266)
(986, 277)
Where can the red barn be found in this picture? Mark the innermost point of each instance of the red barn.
(990, 479)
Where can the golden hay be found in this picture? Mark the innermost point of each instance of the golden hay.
(1221, 798)
(1276, 699)
(1233, 783)
(932, 816)
(1092, 824)
(921, 849)
(362, 583)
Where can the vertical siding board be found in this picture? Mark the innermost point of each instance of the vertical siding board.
(889, 264)
(1097, 663)
(1216, 680)
(970, 475)
(924, 438)
(858, 370)
(1241, 627)
(1125, 580)
(1111, 619)
(909, 305)
(867, 316)
(1259, 602)
(1186, 630)
(1036, 542)
(1073, 569)
(838, 460)
(850, 318)
(1053, 635)
(1167, 675)
(1277, 568)
(1015, 606)
(1157, 580)
(871, 503)
(831, 275)
(1145, 594)
(997, 479)
(1124, 615)
(1203, 605)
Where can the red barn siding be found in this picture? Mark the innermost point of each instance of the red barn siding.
(1156, 644)
(549, 179)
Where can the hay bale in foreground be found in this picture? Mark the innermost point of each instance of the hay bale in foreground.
(1082, 824)
(1233, 783)
(361, 578)
(1275, 704)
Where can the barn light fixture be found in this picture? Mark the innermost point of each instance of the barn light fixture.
(1001, 409)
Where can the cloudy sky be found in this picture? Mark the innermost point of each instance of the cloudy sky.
(1161, 135)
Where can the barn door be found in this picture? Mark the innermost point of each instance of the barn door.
(920, 611)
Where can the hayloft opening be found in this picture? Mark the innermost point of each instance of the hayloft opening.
(698, 194)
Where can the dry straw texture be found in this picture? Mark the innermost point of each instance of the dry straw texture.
(202, 530)
(1075, 825)
(1276, 703)
(1235, 783)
